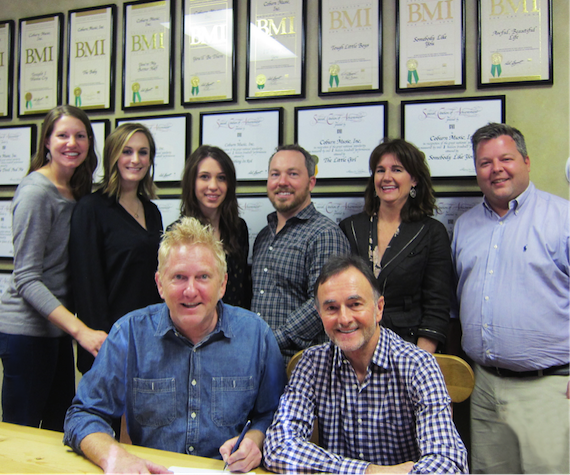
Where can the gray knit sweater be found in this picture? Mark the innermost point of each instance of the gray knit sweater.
(40, 281)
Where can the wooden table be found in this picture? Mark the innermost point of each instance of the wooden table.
(31, 450)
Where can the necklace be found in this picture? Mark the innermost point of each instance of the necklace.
(135, 213)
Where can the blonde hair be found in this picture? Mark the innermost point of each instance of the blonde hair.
(114, 146)
(190, 232)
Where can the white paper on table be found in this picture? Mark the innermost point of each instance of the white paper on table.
(198, 471)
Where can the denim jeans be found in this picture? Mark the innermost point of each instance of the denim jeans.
(39, 380)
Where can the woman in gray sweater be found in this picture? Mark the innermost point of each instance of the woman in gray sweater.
(35, 325)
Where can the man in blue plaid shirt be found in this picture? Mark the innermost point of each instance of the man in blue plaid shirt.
(290, 251)
(381, 403)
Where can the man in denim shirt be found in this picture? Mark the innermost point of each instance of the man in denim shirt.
(187, 373)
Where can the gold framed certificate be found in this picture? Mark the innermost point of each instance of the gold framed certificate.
(41, 41)
(515, 43)
(6, 67)
(91, 58)
(276, 49)
(208, 59)
(148, 54)
(350, 52)
(430, 44)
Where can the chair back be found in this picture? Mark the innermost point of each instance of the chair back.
(293, 362)
(458, 375)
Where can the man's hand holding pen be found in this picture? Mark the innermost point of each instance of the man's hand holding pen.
(244, 455)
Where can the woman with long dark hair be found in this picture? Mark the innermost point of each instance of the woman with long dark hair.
(408, 250)
(209, 194)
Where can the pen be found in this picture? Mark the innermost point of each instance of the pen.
(240, 438)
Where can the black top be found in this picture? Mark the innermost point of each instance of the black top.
(415, 278)
(113, 261)
(238, 289)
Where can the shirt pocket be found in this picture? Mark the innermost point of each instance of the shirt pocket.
(233, 399)
(154, 401)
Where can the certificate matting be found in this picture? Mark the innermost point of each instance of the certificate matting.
(148, 54)
(442, 129)
(430, 45)
(208, 60)
(248, 137)
(276, 49)
(169, 209)
(40, 64)
(453, 205)
(171, 136)
(6, 67)
(515, 43)
(91, 58)
(350, 46)
(100, 130)
(6, 244)
(17, 145)
(341, 137)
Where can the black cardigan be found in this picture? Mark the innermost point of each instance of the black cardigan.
(415, 278)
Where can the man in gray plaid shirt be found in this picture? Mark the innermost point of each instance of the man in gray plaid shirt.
(289, 252)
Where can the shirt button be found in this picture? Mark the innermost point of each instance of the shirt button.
(193, 382)
(259, 314)
(488, 352)
(271, 248)
(190, 449)
(486, 297)
(359, 421)
(501, 223)
(495, 246)
(361, 455)
(354, 386)
(265, 270)
(485, 326)
(193, 415)
(262, 291)
(490, 272)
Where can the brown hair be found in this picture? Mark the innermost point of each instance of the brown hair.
(82, 178)
(414, 161)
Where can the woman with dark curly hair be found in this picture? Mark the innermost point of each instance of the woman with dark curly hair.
(209, 194)
(408, 250)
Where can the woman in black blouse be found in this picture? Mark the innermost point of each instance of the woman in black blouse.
(115, 233)
(209, 194)
(408, 250)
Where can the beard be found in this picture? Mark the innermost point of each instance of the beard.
(286, 206)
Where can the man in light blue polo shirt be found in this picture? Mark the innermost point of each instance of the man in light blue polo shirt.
(511, 255)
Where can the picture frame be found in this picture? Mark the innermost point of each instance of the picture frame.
(6, 68)
(168, 132)
(17, 147)
(169, 207)
(350, 47)
(101, 129)
(249, 137)
(442, 129)
(275, 66)
(208, 51)
(40, 64)
(430, 46)
(341, 136)
(514, 44)
(148, 54)
(451, 205)
(91, 58)
(254, 208)
(6, 243)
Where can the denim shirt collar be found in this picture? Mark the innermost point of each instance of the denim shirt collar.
(165, 325)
